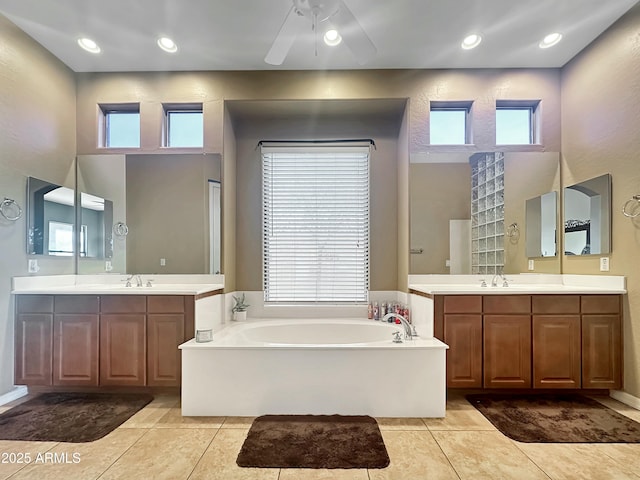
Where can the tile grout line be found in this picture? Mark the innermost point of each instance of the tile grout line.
(147, 430)
(445, 455)
(28, 464)
(205, 451)
(517, 445)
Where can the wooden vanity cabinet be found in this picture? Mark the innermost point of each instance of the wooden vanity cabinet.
(556, 341)
(507, 341)
(601, 341)
(166, 327)
(531, 341)
(75, 340)
(462, 331)
(34, 340)
(106, 340)
(123, 349)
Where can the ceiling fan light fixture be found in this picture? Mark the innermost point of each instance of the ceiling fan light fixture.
(168, 45)
(332, 38)
(88, 45)
(550, 40)
(471, 41)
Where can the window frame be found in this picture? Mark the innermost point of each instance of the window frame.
(533, 107)
(459, 105)
(278, 299)
(106, 110)
(167, 110)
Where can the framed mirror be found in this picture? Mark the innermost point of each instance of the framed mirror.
(587, 217)
(541, 221)
(50, 218)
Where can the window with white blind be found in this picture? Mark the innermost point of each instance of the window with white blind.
(315, 224)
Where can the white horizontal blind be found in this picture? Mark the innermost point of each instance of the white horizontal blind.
(316, 224)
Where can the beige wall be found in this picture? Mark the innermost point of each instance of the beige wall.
(600, 112)
(439, 192)
(383, 199)
(37, 138)
(167, 212)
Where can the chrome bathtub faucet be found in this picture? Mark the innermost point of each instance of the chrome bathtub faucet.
(409, 332)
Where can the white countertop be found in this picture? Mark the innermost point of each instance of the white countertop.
(115, 285)
(519, 284)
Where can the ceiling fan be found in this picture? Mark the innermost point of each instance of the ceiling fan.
(335, 14)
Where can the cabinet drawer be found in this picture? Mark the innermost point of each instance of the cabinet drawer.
(550, 304)
(462, 304)
(507, 304)
(77, 304)
(123, 303)
(600, 303)
(35, 303)
(165, 304)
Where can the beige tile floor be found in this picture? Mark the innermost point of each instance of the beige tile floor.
(158, 443)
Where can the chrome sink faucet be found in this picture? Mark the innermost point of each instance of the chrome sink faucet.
(494, 280)
(138, 280)
(409, 331)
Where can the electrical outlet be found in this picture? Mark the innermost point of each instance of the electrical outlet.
(531, 267)
(163, 262)
(108, 266)
(447, 263)
(33, 265)
(604, 264)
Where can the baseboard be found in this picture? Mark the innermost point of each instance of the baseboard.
(16, 393)
(625, 398)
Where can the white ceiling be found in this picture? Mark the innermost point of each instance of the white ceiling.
(237, 34)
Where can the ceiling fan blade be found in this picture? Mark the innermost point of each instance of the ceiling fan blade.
(292, 25)
(352, 34)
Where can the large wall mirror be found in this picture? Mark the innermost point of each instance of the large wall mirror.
(587, 217)
(440, 201)
(165, 212)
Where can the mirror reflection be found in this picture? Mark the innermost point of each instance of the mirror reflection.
(587, 217)
(541, 225)
(441, 218)
(51, 218)
(96, 220)
(163, 214)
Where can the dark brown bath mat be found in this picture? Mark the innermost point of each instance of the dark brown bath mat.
(314, 441)
(556, 418)
(69, 417)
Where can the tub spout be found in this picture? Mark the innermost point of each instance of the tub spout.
(409, 331)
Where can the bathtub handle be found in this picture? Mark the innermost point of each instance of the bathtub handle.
(396, 337)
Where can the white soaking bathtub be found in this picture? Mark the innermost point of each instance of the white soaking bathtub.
(336, 366)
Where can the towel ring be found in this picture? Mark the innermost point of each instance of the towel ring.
(121, 229)
(7, 204)
(635, 200)
(513, 231)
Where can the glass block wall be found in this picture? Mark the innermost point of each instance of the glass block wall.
(487, 212)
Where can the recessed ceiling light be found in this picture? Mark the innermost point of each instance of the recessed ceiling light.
(167, 45)
(550, 40)
(471, 41)
(332, 38)
(89, 45)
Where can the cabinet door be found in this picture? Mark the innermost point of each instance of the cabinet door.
(507, 351)
(463, 334)
(123, 349)
(75, 349)
(556, 351)
(165, 333)
(34, 339)
(601, 351)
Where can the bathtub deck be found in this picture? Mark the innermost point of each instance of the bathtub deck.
(392, 380)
